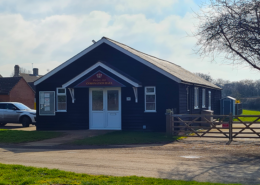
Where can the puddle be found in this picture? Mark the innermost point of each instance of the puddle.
(191, 157)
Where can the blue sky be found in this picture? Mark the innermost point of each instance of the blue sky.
(47, 33)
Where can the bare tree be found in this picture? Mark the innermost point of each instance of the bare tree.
(230, 28)
(22, 70)
(205, 76)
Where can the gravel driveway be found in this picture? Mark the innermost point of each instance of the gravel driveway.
(199, 160)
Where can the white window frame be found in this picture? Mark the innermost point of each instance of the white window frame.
(61, 94)
(149, 93)
(203, 98)
(209, 104)
(196, 98)
(53, 103)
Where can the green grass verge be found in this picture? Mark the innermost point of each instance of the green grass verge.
(18, 136)
(249, 112)
(21, 175)
(126, 137)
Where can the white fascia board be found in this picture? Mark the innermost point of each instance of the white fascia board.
(143, 61)
(68, 62)
(105, 67)
(103, 40)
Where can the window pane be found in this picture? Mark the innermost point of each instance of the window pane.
(97, 100)
(203, 97)
(150, 106)
(112, 100)
(150, 98)
(62, 102)
(150, 90)
(2, 106)
(209, 99)
(196, 97)
(10, 106)
(61, 91)
(188, 101)
(47, 104)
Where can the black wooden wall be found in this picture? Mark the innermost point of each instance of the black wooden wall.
(133, 115)
(215, 99)
(169, 94)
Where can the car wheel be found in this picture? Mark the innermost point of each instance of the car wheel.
(26, 122)
(2, 124)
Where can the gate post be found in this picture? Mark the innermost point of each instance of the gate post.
(230, 128)
(169, 121)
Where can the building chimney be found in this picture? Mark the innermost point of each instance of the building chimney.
(35, 71)
(16, 70)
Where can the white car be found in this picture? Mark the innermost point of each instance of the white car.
(14, 112)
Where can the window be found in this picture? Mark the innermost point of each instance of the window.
(203, 98)
(47, 103)
(196, 97)
(61, 100)
(11, 107)
(3, 106)
(209, 100)
(188, 99)
(150, 99)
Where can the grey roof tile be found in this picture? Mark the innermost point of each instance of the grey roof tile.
(29, 77)
(173, 69)
(7, 84)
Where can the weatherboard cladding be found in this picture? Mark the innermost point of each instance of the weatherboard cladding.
(215, 94)
(133, 115)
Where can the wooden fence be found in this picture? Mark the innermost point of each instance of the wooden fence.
(214, 126)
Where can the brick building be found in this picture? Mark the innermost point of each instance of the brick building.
(16, 89)
(29, 78)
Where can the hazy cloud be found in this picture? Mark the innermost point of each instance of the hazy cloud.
(47, 33)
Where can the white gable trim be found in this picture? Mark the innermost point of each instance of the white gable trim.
(99, 64)
(101, 41)
(68, 62)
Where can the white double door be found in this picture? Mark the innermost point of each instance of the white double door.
(105, 108)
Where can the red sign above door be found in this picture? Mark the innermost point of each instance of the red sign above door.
(99, 79)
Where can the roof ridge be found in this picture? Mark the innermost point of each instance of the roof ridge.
(142, 52)
(11, 77)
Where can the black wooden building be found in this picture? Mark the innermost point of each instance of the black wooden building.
(112, 86)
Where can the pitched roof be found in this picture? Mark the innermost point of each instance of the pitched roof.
(7, 84)
(176, 70)
(30, 77)
(32, 86)
(164, 67)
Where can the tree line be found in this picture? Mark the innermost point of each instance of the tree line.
(247, 91)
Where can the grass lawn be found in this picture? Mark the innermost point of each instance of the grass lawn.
(21, 175)
(249, 112)
(126, 137)
(18, 136)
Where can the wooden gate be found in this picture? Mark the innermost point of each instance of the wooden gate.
(214, 126)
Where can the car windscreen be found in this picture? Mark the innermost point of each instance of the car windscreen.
(21, 106)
